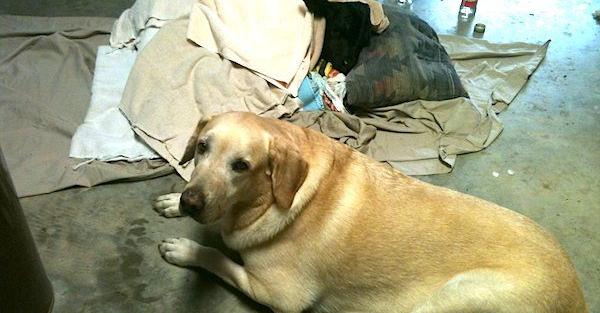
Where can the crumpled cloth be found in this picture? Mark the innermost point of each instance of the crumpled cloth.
(46, 67)
(333, 100)
(418, 137)
(279, 40)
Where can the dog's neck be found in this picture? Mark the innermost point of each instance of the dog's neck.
(275, 219)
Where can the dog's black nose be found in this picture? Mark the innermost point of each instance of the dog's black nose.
(191, 202)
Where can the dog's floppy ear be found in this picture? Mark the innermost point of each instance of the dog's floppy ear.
(190, 149)
(288, 170)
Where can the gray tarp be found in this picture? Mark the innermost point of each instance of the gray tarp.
(46, 68)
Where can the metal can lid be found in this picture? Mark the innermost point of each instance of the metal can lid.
(480, 27)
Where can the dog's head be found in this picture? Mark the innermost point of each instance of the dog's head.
(242, 162)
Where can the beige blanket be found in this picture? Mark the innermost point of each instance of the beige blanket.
(167, 93)
(46, 68)
(246, 32)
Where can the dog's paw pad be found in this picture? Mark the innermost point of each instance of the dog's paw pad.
(168, 205)
(179, 251)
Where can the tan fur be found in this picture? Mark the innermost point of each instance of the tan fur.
(360, 236)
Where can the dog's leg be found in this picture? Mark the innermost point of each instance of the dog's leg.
(168, 205)
(185, 252)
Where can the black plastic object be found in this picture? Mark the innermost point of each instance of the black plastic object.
(24, 286)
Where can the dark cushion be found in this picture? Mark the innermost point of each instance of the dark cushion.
(406, 62)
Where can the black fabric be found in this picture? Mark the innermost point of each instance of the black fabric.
(348, 30)
(404, 63)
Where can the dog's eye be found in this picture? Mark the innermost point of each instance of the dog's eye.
(240, 165)
(202, 146)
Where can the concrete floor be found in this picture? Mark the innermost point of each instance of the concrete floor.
(99, 244)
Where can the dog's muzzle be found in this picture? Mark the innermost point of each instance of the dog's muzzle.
(192, 202)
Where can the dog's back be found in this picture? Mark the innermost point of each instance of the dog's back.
(383, 241)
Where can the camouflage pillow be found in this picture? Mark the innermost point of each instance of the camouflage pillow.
(404, 63)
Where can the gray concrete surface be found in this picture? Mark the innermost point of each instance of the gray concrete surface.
(99, 244)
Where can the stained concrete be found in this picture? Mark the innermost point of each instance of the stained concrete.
(99, 244)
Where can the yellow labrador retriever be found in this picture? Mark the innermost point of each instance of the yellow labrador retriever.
(322, 227)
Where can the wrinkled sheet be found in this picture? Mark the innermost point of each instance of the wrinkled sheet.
(418, 137)
(46, 68)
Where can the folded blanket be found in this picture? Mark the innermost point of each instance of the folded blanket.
(269, 37)
(174, 82)
(105, 134)
(46, 67)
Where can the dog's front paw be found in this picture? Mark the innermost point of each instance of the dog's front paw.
(168, 205)
(180, 251)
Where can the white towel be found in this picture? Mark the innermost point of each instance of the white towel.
(106, 134)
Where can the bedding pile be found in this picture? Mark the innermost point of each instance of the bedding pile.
(121, 97)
